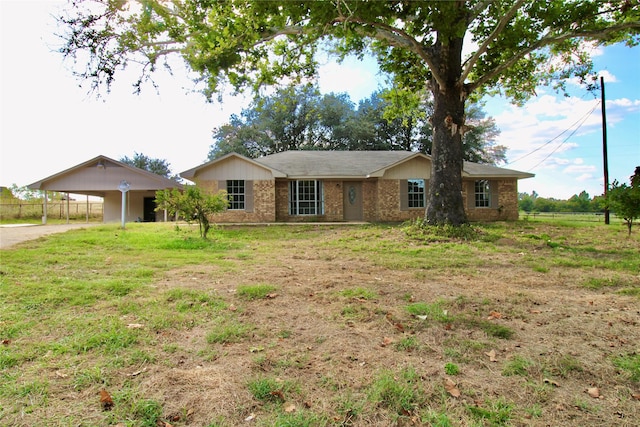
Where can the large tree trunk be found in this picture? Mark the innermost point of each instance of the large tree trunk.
(445, 204)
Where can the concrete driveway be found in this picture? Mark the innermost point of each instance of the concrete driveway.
(12, 234)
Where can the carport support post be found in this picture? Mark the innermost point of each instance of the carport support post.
(44, 208)
(124, 187)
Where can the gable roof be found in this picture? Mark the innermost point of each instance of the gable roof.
(343, 164)
(191, 173)
(298, 164)
(62, 181)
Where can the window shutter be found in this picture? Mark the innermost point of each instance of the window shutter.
(493, 186)
(404, 195)
(471, 194)
(248, 196)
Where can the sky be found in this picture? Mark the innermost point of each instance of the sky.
(49, 123)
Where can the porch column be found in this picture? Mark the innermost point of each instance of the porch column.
(44, 208)
(67, 208)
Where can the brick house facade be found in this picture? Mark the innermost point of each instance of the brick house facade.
(374, 186)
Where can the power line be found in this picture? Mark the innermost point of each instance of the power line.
(584, 119)
(581, 120)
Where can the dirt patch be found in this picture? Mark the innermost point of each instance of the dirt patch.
(311, 334)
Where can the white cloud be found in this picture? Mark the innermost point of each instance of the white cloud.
(584, 177)
(579, 169)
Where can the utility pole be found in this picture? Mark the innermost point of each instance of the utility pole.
(604, 150)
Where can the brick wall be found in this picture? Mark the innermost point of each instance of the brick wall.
(507, 209)
(389, 203)
(263, 203)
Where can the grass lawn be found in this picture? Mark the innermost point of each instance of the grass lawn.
(529, 323)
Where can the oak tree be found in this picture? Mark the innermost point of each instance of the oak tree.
(515, 45)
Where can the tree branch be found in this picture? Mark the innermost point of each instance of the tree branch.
(397, 37)
(546, 41)
(483, 48)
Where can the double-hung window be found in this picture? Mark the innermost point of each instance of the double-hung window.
(236, 194)
(415, 193)
(482, 194)
(306, 198)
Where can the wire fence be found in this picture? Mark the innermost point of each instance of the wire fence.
(569, 216)
(57, 209)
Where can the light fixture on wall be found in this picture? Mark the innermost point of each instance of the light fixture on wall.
(101, 164)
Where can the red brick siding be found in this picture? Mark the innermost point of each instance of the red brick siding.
(507, 204)
(263, 203)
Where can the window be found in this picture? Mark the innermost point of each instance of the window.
(416, 193)
(236, 194)
(306, 198)
(482, 194)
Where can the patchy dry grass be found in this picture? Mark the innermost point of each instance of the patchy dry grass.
(322, 326)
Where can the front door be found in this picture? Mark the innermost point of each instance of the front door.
(352, 201)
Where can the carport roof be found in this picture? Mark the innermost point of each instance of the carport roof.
(101, 174)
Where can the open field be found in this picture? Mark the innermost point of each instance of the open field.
(530, 324)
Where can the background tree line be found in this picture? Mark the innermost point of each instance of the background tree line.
(577, 203)
(301, 118)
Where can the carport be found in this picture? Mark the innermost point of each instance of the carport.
(106, 178)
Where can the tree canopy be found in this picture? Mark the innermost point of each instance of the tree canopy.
(514, 46)
(624, 199)
(301, 118)
(158, 166)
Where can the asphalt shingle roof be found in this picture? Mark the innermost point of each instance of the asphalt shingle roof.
(332, 163)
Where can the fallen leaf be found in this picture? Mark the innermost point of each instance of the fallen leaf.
(135, 326)
(421, 316)
(593, 392)
(6, 342)
(399, 327)
(61, 374)
(105, 400)
(251, 417)
(136, 373)
(386, 341)
(290, 408)
(492, 356)
(272, 296)
(535, 311)
(451, 388)
(551, 382)
(494, 315)
(636, 396)
(278, 394)
(232, 308)
(160, 423)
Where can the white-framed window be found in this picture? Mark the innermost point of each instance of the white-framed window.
(236, 194)
(482, 194)
(415, 193)
(306, 197)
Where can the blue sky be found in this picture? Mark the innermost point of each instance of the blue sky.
(48, 123)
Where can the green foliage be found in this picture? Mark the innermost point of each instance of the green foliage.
(300, 118)
(629, 363)
(451, 369)
(359, 293)
(193, 204)
(435, 311)
(400, 392)
(495, 413)
(268, 389)
(518, 365)
(625, 200)
(255, 292)
(158, 166)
